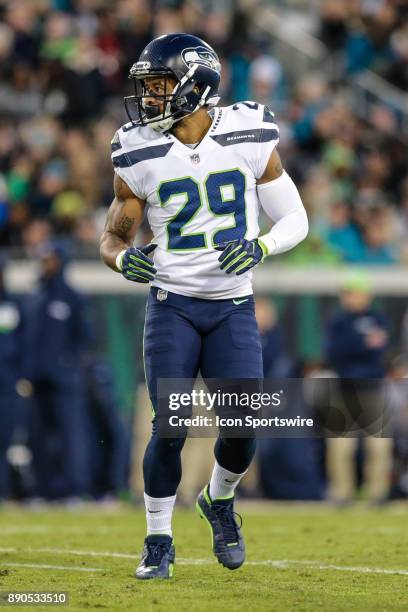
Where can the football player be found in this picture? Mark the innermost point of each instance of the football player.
(201, 173)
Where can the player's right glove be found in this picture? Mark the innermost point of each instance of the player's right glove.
(134, 264)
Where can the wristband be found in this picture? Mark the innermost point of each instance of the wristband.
(119, 260)
(267, 244)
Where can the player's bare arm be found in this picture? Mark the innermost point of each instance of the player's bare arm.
(273, 168)
(124, 218)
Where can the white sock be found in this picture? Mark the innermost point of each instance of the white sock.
(159, 512)
(223, 482)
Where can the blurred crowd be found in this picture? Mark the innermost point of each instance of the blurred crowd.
(63, 73)
(370, 34)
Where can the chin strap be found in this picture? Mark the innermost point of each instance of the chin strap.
(163, 125)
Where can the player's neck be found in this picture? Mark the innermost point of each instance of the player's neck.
(193, 128)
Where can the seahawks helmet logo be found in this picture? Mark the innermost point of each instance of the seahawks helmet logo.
(202, 56)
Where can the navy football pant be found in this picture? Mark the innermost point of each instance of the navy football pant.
(186, 335)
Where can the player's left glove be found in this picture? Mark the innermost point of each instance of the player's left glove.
(239, 256)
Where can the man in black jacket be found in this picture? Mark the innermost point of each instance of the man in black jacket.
(10, 360)
(57, 336)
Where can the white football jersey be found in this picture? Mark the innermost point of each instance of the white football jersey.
(198, 198)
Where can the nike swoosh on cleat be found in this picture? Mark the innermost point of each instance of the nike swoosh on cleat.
(238, 302)
(229, 481)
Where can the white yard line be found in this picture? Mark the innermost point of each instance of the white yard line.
(84, 553)
(286, 563)
(15, 530)
(277, 563)
(55, 567)
(7, 550)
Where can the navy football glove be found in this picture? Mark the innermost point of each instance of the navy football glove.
(136, 266)
(239, 256)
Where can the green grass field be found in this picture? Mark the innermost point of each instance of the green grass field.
(300, 557)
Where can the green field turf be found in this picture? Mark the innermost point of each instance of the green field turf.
(299, 558)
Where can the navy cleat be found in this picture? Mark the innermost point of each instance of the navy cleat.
(157, 558)
(228, 544)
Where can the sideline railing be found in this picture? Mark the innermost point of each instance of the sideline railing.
(95, 279)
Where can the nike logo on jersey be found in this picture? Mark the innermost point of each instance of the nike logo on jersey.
(238, 302)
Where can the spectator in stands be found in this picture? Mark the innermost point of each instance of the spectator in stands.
(63, 73)
(378, 248)
(356, 341)
(377, 228)
(267, 83)
(56, 338)
(342, 233)
(397, 72)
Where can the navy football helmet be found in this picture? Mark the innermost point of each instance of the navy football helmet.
(193, 65)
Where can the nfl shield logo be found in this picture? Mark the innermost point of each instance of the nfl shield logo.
(195, 159)
(161, 295)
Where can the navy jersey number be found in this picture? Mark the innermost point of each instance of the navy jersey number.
(251, 105)
(226, 197)
(187, 191)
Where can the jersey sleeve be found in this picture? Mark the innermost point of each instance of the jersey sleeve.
(268, 140)
(123, 166)
(256, 121)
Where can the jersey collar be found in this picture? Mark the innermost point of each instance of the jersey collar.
(216, 114)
